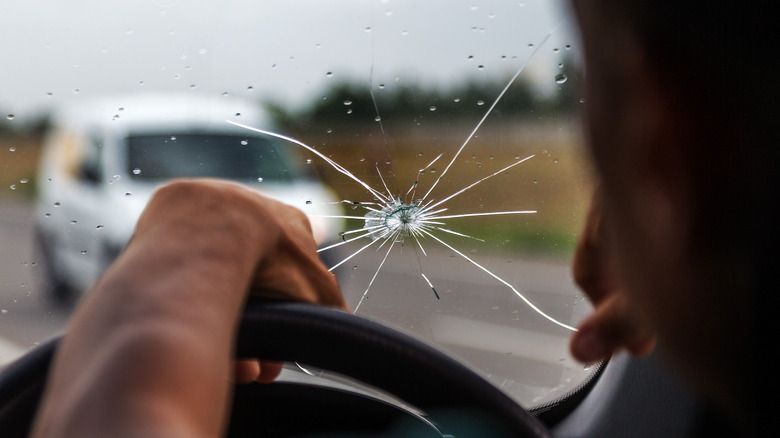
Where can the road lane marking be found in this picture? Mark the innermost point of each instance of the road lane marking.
(485, 336)
(9, 351)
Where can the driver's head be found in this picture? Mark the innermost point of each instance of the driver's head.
(681, 112)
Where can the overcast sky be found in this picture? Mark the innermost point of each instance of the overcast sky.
(286, 50)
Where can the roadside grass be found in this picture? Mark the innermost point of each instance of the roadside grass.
(18, 165)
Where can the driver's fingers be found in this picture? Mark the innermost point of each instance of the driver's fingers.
(611, 327)
(269, 371)
(246, 371)
(252, 370)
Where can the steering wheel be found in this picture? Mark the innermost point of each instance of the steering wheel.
(456, 401)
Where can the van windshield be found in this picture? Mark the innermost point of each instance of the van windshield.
(239, 158)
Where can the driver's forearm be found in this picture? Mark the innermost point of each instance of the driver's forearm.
(148, 352)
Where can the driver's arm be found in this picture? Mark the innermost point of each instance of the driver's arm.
(148, 352)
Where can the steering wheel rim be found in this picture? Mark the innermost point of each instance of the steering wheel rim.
(368, 351)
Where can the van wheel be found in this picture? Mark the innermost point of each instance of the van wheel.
(54, 284)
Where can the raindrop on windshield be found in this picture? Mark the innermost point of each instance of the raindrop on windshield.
(10, 116)
(136, 171)
(561, 78)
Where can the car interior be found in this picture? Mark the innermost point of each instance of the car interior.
(462, 118)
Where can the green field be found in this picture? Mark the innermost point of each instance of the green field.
(556, 182)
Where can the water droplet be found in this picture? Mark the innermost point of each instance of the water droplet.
(308, 202)
(47, 215)
(432, 108)
(260, 179)
(582, 100)
(128, 193)
(456, 100)
(224, 93)
(173, 138)
(202, 51)
(347, 102)
(368, 29)
(560, 78)
(4, 311)
(470, 57)
(99, 227)
(250, 88)
(13, 186)
(244, 142)
(10, 116)
(329, 74)
(377, 118)
(23, 180)
(76, 91)
(12, 149)
(481, 67)
(480, 102)
(117, 177)
(83, 251)
(238, 114)
(57, 204)
(136, 171)
(349, 111)
(555, 161)
(74, 222)
(308, 161)
(381, 86)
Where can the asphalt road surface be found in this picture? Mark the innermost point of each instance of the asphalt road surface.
(475, 317)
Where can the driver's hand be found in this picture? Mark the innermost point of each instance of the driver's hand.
(287, 266)
(613, 325)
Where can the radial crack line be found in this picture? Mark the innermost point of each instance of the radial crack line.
(374, 277)
(458, 234)
(344, 242)
(487, 113)
(492, 213)
(333, 164)
(479, 181)
(522, 297)
(352, 255)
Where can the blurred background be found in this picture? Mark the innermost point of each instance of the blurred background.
(381, 87)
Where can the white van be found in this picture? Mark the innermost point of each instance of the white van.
(104, 158)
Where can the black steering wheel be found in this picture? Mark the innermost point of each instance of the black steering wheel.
(456, 401)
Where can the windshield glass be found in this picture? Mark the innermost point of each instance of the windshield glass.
(435, 147)
(241, 158)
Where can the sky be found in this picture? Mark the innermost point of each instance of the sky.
(286, 51)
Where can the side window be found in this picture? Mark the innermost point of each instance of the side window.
(90, 169)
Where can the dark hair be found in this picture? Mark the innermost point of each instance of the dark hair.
(723, 58)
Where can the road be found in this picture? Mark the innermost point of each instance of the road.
(476, 317)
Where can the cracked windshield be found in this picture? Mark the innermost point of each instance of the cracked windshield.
(435, 146)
